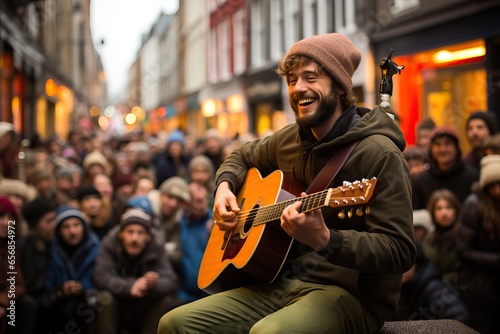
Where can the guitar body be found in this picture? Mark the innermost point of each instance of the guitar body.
(250, 253)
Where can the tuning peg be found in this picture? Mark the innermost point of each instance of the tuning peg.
(367, 210)
(359, 212)
(349, 213)
(341, 214)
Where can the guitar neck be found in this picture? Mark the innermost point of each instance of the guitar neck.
(350, 194)
(272, 212)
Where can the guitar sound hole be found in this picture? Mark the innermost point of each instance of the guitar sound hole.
(247, 226)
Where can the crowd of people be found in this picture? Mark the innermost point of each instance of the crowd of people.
(110, 231)
(456, 202)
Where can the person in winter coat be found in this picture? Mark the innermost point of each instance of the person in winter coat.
(446, 169)
(36, 246)
(341, 275)
(71, 271)
(425, 296)
(440, 245)
(478, 245)
(196, 224)
(136, 281)
(15, 303)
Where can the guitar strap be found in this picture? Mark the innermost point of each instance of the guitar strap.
(332, 167)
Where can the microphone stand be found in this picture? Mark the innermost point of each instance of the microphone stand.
(388, 68)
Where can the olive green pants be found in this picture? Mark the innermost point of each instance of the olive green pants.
(290, 307)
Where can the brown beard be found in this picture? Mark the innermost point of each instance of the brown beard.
(326, 107)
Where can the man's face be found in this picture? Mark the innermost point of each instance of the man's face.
(134, 238)
(198, 206)
(91, 205)
(169, 205)
(144, 186)
(72, 231)
(444, 151)
(311, 95)
(477, 132)
(45, 227)
(44, 185)
(103, 184)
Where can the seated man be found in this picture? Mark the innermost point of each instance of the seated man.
(136, 279)
(70, 273)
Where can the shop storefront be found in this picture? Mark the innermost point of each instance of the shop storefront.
(448, 72)
(264, 96)
(225, 108)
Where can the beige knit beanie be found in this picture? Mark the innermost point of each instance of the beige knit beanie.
(334, 52)
(490, 170)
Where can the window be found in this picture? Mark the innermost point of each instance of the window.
(239, 42)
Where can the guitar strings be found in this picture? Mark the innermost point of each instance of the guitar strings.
(269, 212)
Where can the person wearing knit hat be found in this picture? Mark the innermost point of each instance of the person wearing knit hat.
(88, 191)
(134, 276)
(139, 216)
(490, 170)
(480, 125)
(446, 169)
(318, 71)
(15, 188)
(93, 164)
(71, 269)
(176, 187)
(201, 171)
(478, 245)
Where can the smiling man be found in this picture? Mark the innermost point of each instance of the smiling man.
(134, 275)
(446, 170)
(340, 275)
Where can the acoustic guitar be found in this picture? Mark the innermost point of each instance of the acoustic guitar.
(256, 249)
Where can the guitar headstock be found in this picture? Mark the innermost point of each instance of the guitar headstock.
(350, 194)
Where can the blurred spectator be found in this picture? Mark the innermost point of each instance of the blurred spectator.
(65, 183)
(440, 245)
(417, 159)
(40, 216)
(174, 160)
(134, 277)
(93, 164)
(91, 205)
(18, 193)
(213, 147)
(45, 185)
(423, 133)
(479, 126)
(113, 206)
(71, 269)
(478, 245)
(424, 295)
(123, 186)
(8, 146)
(172, 194)
(15, 304)
(446, 169)
(144, 182)
(196, 226)
(422, 224)
(491, 145)
(201, 171)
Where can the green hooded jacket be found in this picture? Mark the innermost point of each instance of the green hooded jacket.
(367, 254)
